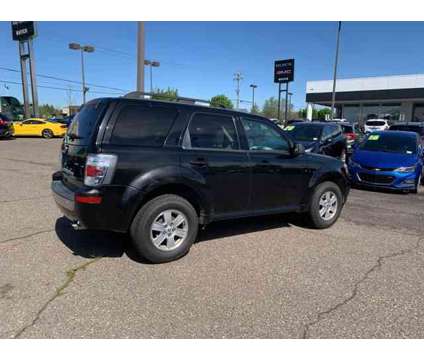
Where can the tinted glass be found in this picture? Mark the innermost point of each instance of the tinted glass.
(84, 124)
(142, 126)
(212, 132)
(37, 122)
(327, 132)
(304, 133)
(417, 129)
(261, 136)
(347, 129)
(375, 123)
(390, 142)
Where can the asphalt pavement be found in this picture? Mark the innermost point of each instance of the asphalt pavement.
(265, 277)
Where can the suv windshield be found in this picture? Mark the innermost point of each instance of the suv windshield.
(84, 122)
(390, 142)
(375, 123)
(304, 132)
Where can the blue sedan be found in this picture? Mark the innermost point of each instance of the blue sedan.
(388, 159)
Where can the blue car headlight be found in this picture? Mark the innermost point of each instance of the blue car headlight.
(406, 169)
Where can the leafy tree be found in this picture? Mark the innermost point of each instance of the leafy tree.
(323, 112)
(270, 108)
(221, 100)
(169, 94)
(255, 109)
(48, 111)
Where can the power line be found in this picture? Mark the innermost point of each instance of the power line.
(58, 88)
(66, 80)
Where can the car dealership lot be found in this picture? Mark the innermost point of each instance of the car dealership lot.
(261, 277)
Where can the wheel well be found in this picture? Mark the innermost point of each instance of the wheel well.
(335, 178)
(180, 190)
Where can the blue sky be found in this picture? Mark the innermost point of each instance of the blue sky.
(200, 58)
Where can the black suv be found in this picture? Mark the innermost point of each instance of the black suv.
(320, 137)
(6, 128)
(158, 169)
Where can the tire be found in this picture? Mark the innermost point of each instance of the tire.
(47, 134)
(332, 190)
(150, 225)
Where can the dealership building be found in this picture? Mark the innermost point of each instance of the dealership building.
(396, 98)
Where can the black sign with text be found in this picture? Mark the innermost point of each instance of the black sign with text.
(23, 30)
(284, 71)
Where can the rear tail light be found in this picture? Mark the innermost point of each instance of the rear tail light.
(99, 169)
(351, 136)
(2, 122)
(94, 199)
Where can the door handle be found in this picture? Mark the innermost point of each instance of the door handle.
(199, 162)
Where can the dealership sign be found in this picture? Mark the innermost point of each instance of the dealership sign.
(23, 30)
(284, 71)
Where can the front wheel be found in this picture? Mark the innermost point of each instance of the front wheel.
(164, 229)
(47, 134)
(326, 205)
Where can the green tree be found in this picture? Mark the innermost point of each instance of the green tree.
(323, 112)
(47, 111)
(169, 94)
(255, 109)
(221, 101)
(270, 108)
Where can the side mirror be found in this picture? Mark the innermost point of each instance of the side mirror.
(298, 149)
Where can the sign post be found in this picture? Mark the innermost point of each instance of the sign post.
(24, 32)
(283, 74)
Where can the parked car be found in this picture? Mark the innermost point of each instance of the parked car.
(388, 159)
(38, 127)
(6, 128)
(376, 125)
(65, 120)
(158, 169)
(320, 138)
(352, 133)
(414, 127)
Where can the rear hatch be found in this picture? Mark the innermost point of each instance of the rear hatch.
(80, 140)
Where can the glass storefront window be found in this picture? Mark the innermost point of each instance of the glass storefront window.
(390, 112)
(351, 113)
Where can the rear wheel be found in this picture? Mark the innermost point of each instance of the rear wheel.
(164, 228)
(326, 205)
(47, 134)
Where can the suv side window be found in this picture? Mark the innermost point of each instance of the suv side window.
(142, 126)
(327, 132)
(336, 131)
(261, 136)
(209, 131)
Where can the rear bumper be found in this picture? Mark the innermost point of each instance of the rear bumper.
(110, 215)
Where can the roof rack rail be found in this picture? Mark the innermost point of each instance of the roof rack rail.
(149, 95)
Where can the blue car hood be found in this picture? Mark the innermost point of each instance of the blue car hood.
(383, 159)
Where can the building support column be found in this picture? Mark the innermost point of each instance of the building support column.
(309, 111)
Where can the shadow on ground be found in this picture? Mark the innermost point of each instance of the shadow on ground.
(91, 244)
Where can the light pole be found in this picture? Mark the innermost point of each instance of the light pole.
(83, 49)
(140, 56)
(333, 97)
(151, 63)
(238, 77)
(253, 86)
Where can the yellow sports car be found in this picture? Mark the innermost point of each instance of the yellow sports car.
(39, 127)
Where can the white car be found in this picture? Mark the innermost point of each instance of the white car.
(376, 125)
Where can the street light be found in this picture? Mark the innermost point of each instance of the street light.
(83, 49)
(151, 63)
(253, 86)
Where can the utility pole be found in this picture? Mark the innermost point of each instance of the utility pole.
(140, 56)
(333, 97)
(34, 92)
(238, 77)
(253, 86)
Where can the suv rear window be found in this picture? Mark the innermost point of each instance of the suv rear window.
(142, 126)
(84, 123)
(375, 123)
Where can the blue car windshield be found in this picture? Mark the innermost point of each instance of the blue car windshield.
(304, 132)
(389, 142)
